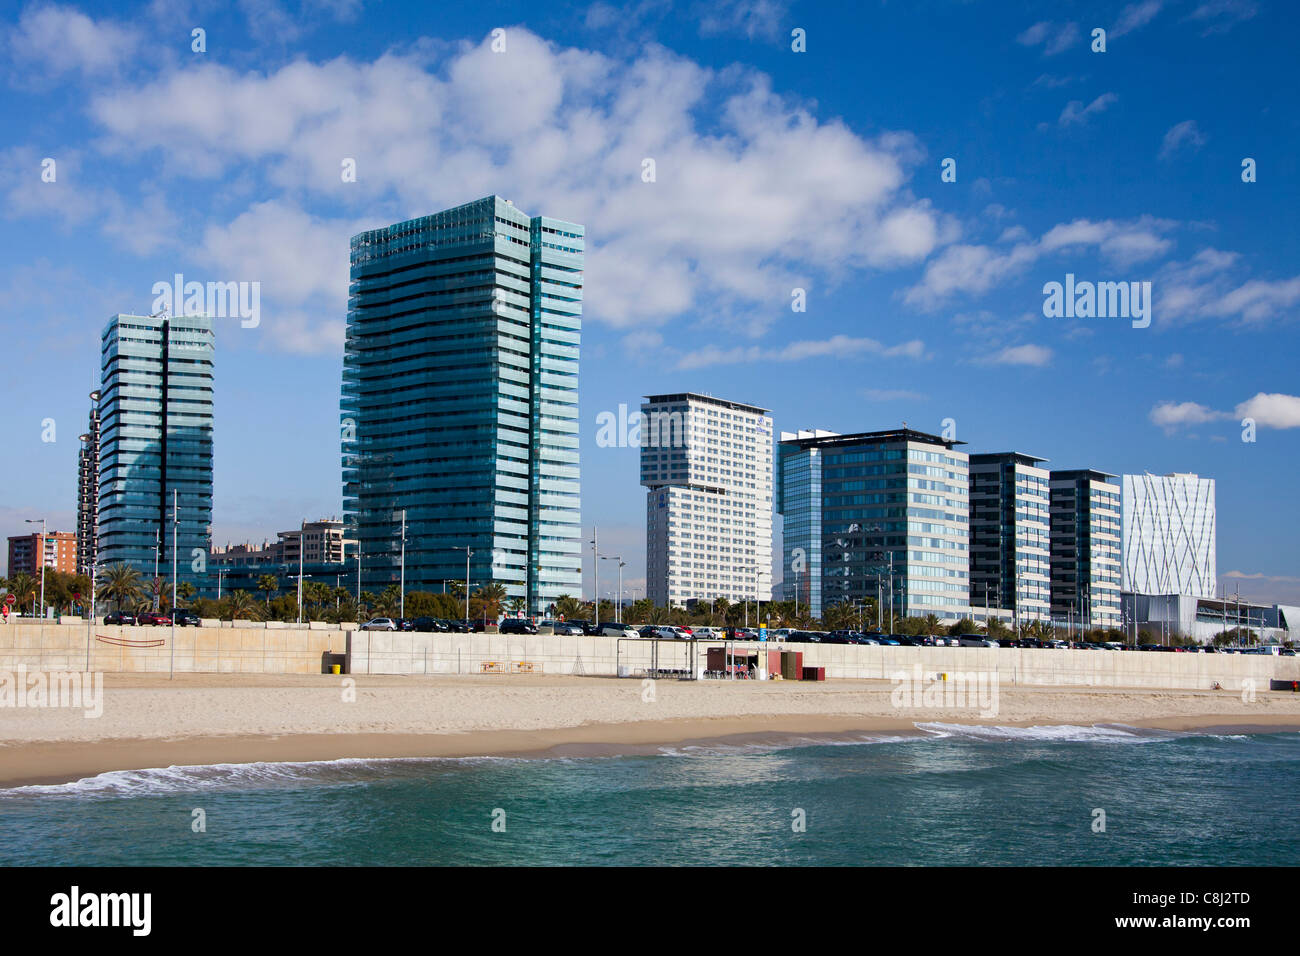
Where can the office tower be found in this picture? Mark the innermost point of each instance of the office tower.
(707, 465)
(155, 420)
(876, 513)
(57, 551)
(1169, 535)
(88, 489)
(1085, 537)
(460, 402)
(1009, 535)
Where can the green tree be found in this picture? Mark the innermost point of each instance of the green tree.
(239, 605)
(267, 584)
(121, 584)
(24, 588)
(963, 625)
(568, 607)
(487, 602)
(186, 591)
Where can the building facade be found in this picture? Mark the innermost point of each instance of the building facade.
(459, 403)
(1010, 546)
(88, 489)
(707, 466)
(155, 421)
(1169, 535)
(1085, 540)
(57, 551)
(876, 514)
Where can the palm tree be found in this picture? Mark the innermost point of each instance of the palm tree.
(121, 584)
(268, 583)
(487, 601)
(517, 605)
(239, 604)
(186, 590)
(23, 587)
(568, 607)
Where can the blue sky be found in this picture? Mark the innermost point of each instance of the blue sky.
(774, 170)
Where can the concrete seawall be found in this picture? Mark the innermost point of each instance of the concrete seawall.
(256, 648)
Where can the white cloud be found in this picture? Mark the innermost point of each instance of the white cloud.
(976, 269)
(1033, 355)
(1180, 135)
(733, 216)
(837, 346)
(1220, 16)
(1272, 410)
(1076, 114)
(54, 40)
(1206, 287)
(753, 18)
(1173, 415)
(1134, 16)
(1054, 38)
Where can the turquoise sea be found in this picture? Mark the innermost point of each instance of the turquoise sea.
(949, 795)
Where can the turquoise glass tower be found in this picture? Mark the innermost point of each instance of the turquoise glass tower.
(155, 444)
(459, 406)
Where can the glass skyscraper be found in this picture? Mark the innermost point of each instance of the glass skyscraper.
(459, 404)
(155, 438)
(876, 513)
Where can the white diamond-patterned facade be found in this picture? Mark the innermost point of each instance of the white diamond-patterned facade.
(1169, 535)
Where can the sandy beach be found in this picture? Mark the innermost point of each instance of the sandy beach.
(150, 721)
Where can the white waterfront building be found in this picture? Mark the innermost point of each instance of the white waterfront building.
(707, 466)
(1169, 535)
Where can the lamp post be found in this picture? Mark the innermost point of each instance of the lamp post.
(176, 518)
(43, 543)
(618, 608)
(401, 586)
(301, 548)
(595, 577)
(468, 553)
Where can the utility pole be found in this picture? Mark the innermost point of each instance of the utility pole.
(401, 600)
(176, 517)
(43, 544)
(468, 553)
(595, 576)
(301, 549)
(618, 611)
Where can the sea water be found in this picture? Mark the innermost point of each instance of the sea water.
(946, 795)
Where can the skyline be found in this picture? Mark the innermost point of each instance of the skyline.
(690, 287)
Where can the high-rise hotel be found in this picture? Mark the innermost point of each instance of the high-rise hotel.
(459, 405)
(877, 513)
(155, 442)
(707, 466)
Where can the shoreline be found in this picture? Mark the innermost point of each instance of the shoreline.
(62, 762)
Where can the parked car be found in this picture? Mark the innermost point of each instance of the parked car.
(380, 624)
(973, 640)
(153, 619)
(427, 625)
(517, 625)
(185, 617)
(120, 617)
(566, 628)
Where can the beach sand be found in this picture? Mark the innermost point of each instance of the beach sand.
(151, 721)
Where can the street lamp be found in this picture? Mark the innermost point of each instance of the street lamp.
(468, 554)
(618, 610)
(43, 543)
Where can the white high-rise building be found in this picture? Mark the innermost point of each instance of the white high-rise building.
(707, 465)
(1169, 535)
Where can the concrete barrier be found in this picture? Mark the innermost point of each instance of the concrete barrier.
(289, 649)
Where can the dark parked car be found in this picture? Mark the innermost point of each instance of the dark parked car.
(517, 625)
(184, 617)
(120, 617)
(428, 625)
(457, 626)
